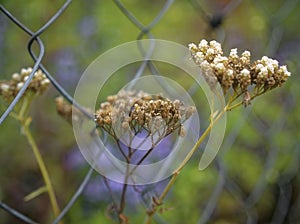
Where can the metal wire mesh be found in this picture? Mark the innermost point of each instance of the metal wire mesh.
(287, 203)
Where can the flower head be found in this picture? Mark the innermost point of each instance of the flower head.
(236, 71)
(9, 89)
(140, 111)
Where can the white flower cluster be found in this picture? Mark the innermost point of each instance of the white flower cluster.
(234, 71)
(269, 73)
(9, 89)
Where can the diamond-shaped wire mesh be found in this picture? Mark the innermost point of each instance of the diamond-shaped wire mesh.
(269, 195)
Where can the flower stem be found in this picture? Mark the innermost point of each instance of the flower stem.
(183, 163)
(42, 168)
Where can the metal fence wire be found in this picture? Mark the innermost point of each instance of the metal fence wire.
(286, 203)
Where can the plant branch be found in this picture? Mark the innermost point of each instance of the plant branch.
(159, 201)
(42, 167)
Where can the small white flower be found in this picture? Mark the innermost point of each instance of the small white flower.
(216, 45)
(264, 71)
(270, 68)
(283, 68)
(213, 43)
(245, 72)
(220, 59)
(258, 67)
(210, 51)
(229, 73)
(203, 44)
(205, 65)
(246, 54)
(269, 62)
(4, 87)
(29, 70)
(200, 55)
(16, 77)
(104, 105)
(37, 74)
(45, 82)
(193, 47)
(24, 71)
(233, 53)
(20, 85)
(220, 67)
(25, 78)
(274, 63)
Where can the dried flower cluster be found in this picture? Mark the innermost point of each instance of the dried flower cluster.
(68, 111)
(237, 71)
(9, 89)
(64, 108)
(138, 111)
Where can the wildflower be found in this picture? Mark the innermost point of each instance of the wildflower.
(9, 89)
(4, 87)
(67, 111)
(63, 108)
(236, 71)
(139, 111)
(244, 78)
(16, 77)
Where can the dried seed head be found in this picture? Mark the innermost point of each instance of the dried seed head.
(66, 110)
(141, 111)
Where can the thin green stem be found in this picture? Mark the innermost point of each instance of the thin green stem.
(24, 107)
(240, 103)
(35, 193)
(235, 106)
(42, 168)
(25, 121)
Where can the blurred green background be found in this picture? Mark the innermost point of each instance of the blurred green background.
(255, 178)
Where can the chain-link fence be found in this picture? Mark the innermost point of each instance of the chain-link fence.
(254, 178)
